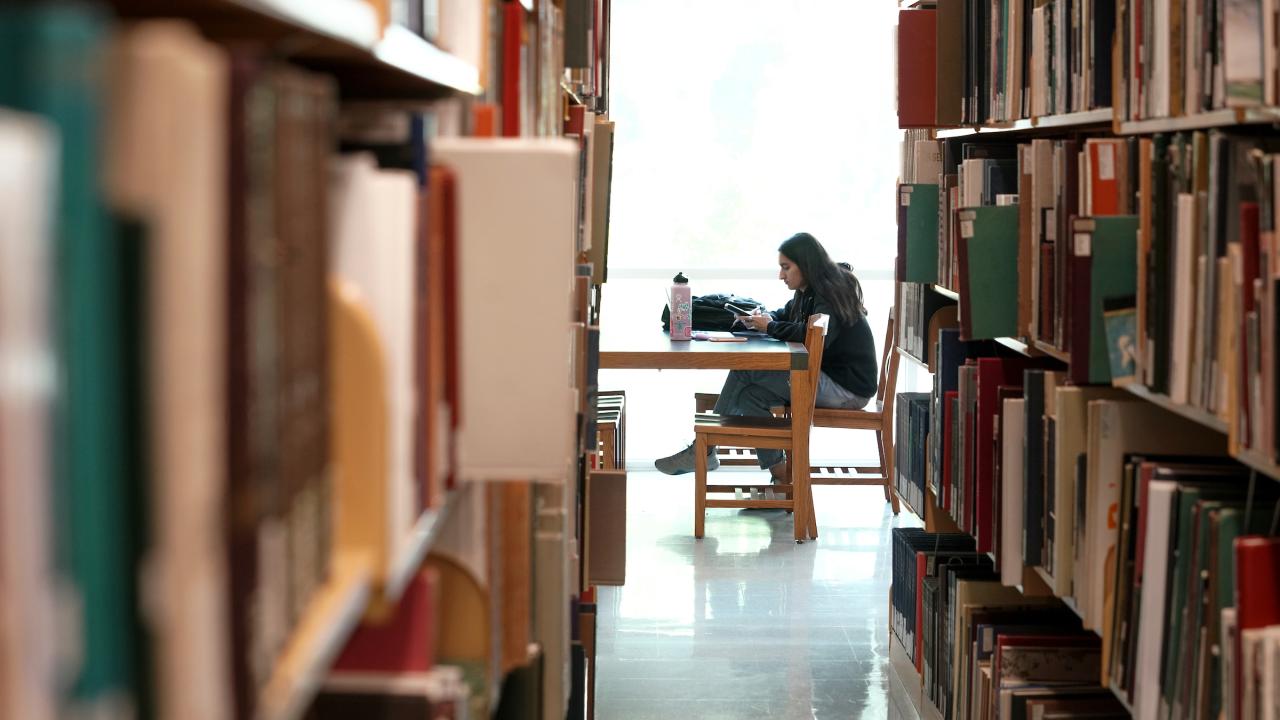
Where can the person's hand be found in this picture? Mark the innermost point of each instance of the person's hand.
(755, 321)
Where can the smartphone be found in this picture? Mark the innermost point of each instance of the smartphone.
(739, 310)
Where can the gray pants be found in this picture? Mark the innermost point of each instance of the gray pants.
(755, 392)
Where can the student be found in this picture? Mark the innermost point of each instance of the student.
(848, 360)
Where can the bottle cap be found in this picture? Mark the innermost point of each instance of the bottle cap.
(680, 279)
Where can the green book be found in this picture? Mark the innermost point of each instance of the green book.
(54, 56)
(988, 260)
(1182, 527)
(920, 205)
(1113, 273)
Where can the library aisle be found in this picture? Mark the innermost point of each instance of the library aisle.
(745, 623)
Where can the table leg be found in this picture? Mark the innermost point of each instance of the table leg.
(801, 418)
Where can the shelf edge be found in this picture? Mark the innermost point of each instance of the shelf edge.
(331, 617)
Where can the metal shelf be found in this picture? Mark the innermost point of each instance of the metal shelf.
(1067, 121)
(339, 37)
(1212, 119)
(1051, 351)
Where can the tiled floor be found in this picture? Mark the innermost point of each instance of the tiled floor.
(745, 623)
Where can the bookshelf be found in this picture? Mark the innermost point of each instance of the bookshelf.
(1142, 217)
(300, 488)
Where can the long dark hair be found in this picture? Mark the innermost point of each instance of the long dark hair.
(835, 283)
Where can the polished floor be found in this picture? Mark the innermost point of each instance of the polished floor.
(745, 623)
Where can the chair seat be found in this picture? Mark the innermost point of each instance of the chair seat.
(708, 423)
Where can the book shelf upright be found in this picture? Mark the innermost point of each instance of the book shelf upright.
(1135, 341)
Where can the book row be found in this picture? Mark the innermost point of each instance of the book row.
(973, 62)
(1132, 516)
(218, 330)
(982, 649)
(983, 62)
(1146, 260)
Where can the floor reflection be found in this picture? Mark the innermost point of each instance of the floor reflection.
(746, 623)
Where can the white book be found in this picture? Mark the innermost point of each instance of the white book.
(1229, 638)
(517, 261)
(28, 190)
(1242, 52)
(1183, 297)
(971, 180)
(1012, 439)
(1039, 79)
(166, 164)
(928, 161)
(1158, 91)
(1155, 582)
(372, 219)
(1193, 55)
(1269, 94)
(1253, 666)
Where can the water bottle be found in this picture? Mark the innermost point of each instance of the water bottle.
(680, 301)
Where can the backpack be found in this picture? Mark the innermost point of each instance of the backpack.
(709, 312)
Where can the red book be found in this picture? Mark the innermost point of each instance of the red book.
(1257, 602)
(403, 644)
(917, 68)
(1080, 268)
(1257, 577)
(1105, 158)
(577, 120)
(992, 374)
(1249, 241)
(512, 68)
(967, 467)
(922, 567)
(442, 371)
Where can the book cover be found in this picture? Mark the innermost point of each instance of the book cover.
(917, 68)
(989, 288)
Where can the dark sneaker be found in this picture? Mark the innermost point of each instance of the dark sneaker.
(682, 462)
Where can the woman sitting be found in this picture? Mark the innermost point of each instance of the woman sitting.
(848, 361)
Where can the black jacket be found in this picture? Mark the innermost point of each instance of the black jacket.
(849, 354)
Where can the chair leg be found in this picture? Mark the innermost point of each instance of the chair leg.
(699, 486)
(887, 452)
(809, 509)
(883, 471)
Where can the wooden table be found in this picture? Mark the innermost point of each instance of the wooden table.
(626, 348)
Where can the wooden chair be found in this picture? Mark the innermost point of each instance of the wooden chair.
(877, 416)
(758, 432)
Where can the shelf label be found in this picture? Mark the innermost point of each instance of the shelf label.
(1084, 244)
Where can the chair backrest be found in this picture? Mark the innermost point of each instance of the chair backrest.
(888, 357)
(814, 341)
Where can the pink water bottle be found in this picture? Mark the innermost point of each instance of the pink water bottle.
(680, 301)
